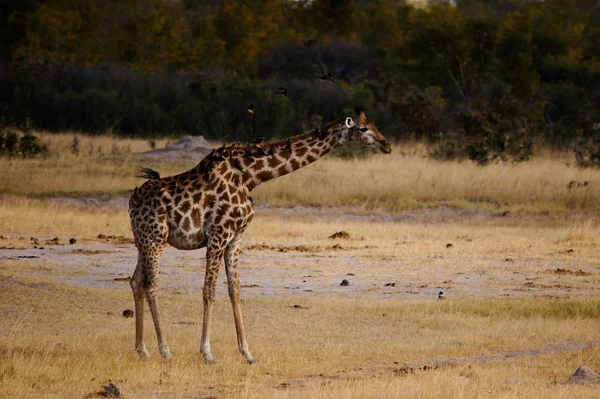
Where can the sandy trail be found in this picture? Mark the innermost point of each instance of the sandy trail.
(305, 271)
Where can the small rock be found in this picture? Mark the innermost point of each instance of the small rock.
(101, 236)
(111, 391)
(389, 284)
(570, 251)
(449, 245)
(345, 283)
(339, 234)
(72, 241)
(127, 313)
(583, 375)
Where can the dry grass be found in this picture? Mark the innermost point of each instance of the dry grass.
(404, 180)
(400, 182)
(65, 341)
(28, 216)
(523, 378)
(110, 172)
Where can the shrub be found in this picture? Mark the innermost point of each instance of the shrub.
(75, 146)
(10, 142)
(484, 137)
(587, 152)
(30, 146)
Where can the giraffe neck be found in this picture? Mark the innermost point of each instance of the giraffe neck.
(280, 159)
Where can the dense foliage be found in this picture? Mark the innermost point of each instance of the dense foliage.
(483, 79)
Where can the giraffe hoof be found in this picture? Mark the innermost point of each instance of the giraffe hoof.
(209, 359)
(250, 359)
(164, 351)
(144, 354)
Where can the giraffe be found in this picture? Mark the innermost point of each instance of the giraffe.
(210, 206)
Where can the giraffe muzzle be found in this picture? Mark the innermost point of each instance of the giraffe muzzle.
(384, 146)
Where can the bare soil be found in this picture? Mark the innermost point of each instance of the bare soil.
(316, 270)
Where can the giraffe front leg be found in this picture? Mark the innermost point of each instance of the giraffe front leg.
(214, 254)
(163, 347)
(233, 285)
(137, 287)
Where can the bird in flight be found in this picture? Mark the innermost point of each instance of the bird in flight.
(281, 92)
(326, 76)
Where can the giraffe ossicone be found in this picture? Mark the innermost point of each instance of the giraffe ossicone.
(210, 206)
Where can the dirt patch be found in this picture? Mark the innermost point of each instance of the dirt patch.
(303, 248)
(53, 241)
(283, 248)
(115, 239)
(566, 272)
(91, 252)
(259, 247)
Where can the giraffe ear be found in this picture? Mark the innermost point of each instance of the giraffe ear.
(349, 122)
(360, 114)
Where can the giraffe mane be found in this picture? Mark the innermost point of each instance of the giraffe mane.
(283, 142)
(233, 152)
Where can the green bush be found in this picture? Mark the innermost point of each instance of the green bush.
(484, 138)
(10, 142)
(27, 145)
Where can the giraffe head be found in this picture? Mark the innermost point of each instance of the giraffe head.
(364, 131)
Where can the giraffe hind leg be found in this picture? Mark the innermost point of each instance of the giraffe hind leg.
(233, 285)
(214, 257)
(151, 265)
(137, 286)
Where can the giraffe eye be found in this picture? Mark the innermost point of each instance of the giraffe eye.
(363, 129)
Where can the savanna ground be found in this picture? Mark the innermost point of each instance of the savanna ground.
(521, 280)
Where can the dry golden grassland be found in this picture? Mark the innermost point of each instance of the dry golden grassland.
(401, 181)
(509, 326)
(70, 341)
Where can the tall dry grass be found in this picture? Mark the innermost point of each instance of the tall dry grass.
(407, 179)
(400, 182)
(105, 166)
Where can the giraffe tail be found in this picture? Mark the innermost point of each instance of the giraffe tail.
(147, 173)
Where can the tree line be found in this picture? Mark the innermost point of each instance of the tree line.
(483, 79)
